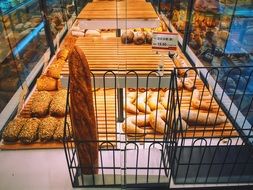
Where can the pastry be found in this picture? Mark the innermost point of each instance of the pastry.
(11, 132)
(63, 54)
(46, 128)
(139, 38)
(127, 37)
(193, 117)
(29, 132)
(58, 104)
(141, 102)
(47, 83)
(132, 125)
(82, 112)
(40, 104)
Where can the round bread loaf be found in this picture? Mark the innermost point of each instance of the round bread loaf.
(127, 37)
(139, 38)
(149, 36)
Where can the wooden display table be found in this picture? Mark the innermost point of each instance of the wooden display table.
(118, 15)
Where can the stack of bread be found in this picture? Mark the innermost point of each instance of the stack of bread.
(51, 80)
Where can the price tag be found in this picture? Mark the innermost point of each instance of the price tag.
(164, 41)
(22, 97)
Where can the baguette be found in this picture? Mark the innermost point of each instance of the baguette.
(179, 64)
(132, 125)
(193, 117)
(82, 112)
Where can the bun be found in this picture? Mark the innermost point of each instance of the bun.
(149, 36)
(139, 38)
(47, 83)
(58, 104)
(127, 37)
(132, 125)
(55, 68)
(141, 103)
(201, 118)
(63, 54)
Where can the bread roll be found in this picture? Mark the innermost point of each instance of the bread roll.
(127, 37)
(47, 83)
(154, 101)
(196, 103)
(55, 68)
(11, 132)
(58, 104)
(29, 132)
(59, 131)
(132, 125)
(63, 54)
(82, 112)
(46, 128)
(40, 104)
(141, 102)
(188, 83)
(200, 118)
(139, 38)
(149, 36)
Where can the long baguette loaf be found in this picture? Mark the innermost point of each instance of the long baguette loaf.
(82, 112)
(200, 118)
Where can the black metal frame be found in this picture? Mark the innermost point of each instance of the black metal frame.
(122, 171)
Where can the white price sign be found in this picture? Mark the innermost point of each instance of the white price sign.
(165, 41)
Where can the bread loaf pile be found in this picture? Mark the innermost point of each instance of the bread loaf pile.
(51, 80)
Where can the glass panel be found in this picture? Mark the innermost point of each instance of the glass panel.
(9, 80)
(179, 15)
(209, 31)
(21, 20)
(57, 16)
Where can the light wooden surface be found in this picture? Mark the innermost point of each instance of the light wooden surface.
(111, 54)
(118, 10)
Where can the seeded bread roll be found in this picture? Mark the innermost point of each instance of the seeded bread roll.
(149, 36)
(40, 104)
(46, 128)
(59, 131)
(29, 132)
(139, 38)
(58, 104)
(11, 132)
(63, 54)
(127, 37)
(54, 70)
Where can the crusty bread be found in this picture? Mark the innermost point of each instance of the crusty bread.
(127, 37)
(63, 54)
(82, 112)
(47, 83)
(201, 118)
(139, 38)
(55, 68)
(132, 125)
